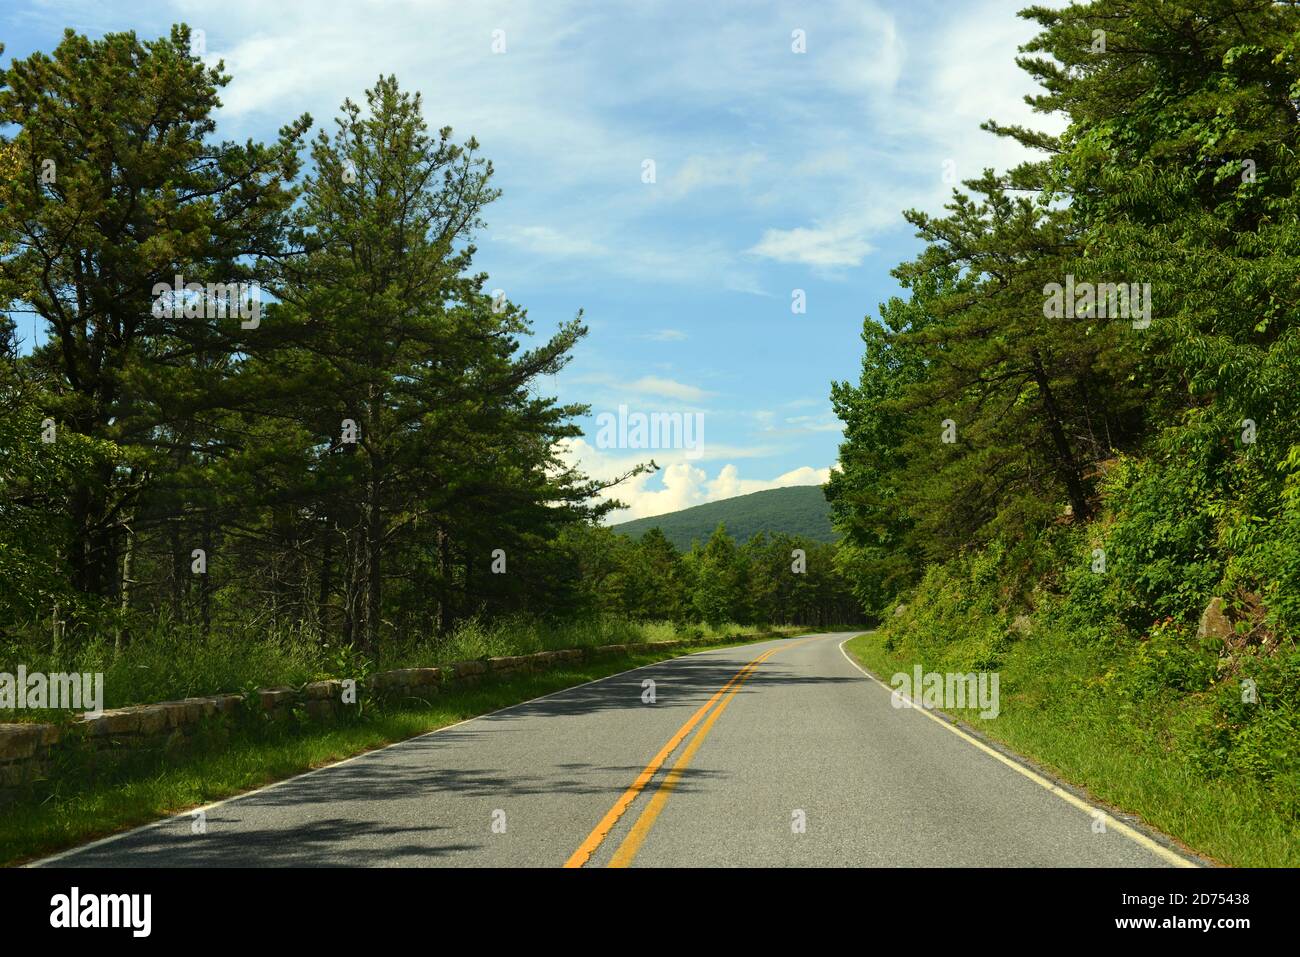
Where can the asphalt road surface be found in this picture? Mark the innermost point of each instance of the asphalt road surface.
(782, 753)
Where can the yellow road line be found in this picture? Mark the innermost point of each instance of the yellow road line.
(601, 830)
(1135, 836)
(641, 829)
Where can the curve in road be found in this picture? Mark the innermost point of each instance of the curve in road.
(781, 753)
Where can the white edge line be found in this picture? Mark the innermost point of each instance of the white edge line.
(174, 818)
(1092, 810)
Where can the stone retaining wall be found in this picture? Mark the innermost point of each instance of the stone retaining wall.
(30, 753)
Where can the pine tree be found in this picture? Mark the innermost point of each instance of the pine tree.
(119, 188)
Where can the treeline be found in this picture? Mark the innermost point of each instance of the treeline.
(271, 394)
(274, 399)
(1092, 374)
(770, 579)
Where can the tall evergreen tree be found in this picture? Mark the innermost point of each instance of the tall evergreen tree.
(119, 187)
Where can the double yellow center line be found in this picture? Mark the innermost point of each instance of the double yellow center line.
(636, 837)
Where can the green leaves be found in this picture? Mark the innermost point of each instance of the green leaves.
(1178, 169)
(354, 457)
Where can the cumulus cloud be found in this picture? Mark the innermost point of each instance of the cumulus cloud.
(680, 482)
(682, 485)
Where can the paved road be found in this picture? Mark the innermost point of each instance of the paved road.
(731, 759)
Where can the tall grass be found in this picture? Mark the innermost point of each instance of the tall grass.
(169, 661)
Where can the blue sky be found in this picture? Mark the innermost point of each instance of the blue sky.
(774, 171)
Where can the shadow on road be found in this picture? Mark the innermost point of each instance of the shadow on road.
(368, 799)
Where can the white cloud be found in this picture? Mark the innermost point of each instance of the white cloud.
(822, 248)
(814, 423)
(606, 464)
(666, 335)
(667, 388)
(797, 424)
(549, 242)
(841, 139)
(647, 385)
(680, 481)
(710, 172)
(867, 54)
(858, 181)
(682, 485)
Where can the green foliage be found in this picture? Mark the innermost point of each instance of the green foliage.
(1169, 660)
(112, 186)
(1256, 734)
(1107, 478)
(1160, 549)
(353, 463)
(34, 475)
(172, 660)
(719, 576)
(754, 583)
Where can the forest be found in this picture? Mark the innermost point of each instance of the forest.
(275, 404)
(1117, 475)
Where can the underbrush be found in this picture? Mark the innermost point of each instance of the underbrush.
(1103, 677)
(169, 661)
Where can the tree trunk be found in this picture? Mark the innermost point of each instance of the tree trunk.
(1067, 467)
(124, 604)
(374, 568)
(205, 584)
(444, 581)
(326, 561)
(178, 567)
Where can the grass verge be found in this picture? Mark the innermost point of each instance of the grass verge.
(1056, 712)
(248, 758)
(170, 662)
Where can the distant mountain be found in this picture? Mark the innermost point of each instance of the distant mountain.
(799, 510)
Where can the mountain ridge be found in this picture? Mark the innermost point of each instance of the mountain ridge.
(795, 510)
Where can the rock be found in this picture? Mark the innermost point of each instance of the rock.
(118, 721)
(461, 669)
(324, 690)
(181, 713)
(1023, 625)
(227, 703)
(320, 709)
(19, 740)
(272, 699)
(1214, 623)
(898, 612)
(408, 677)
(154, 718)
